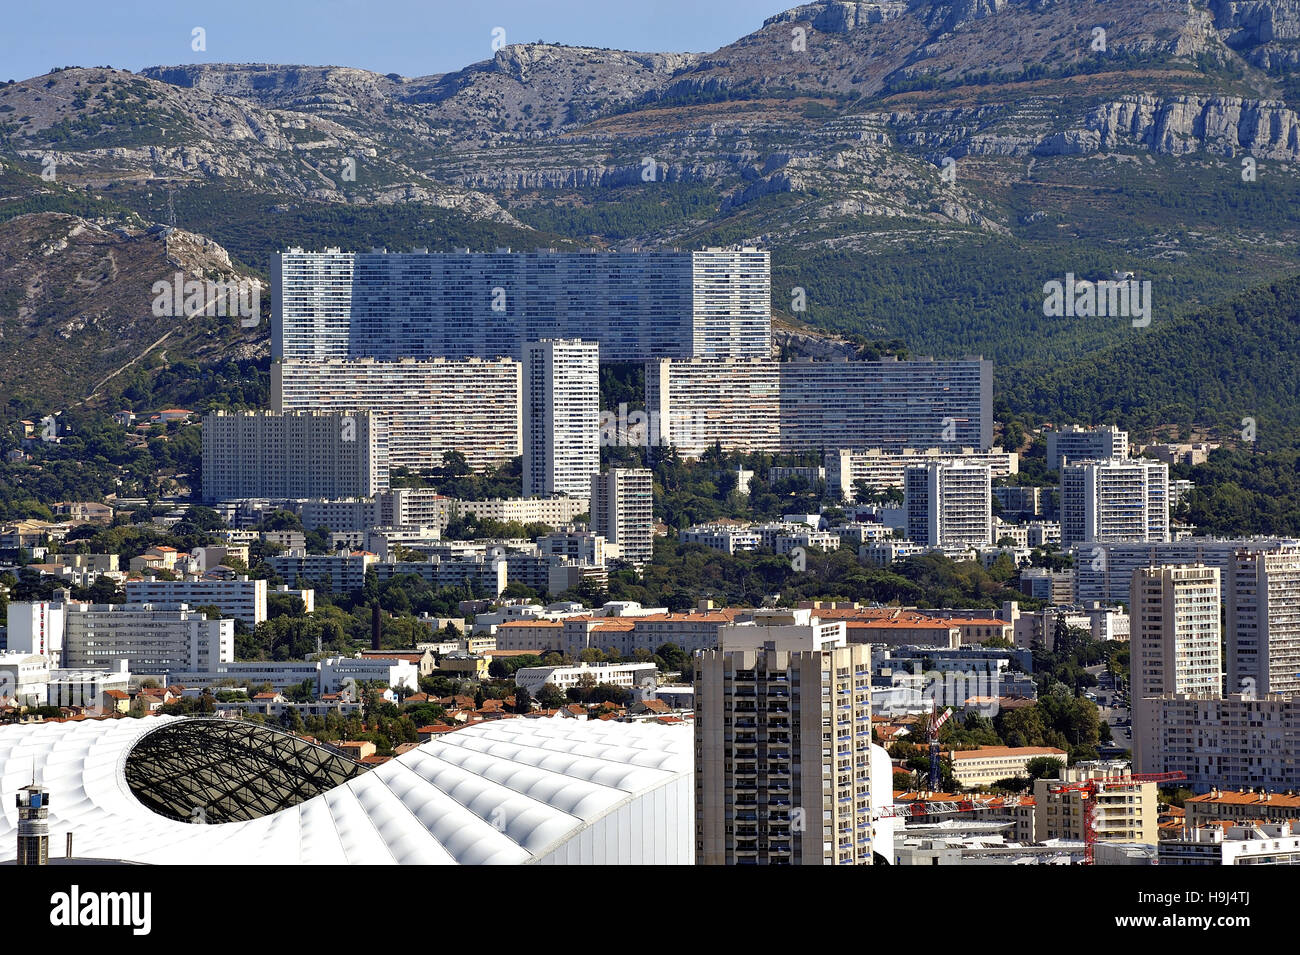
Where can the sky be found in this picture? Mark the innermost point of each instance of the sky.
(410, 37)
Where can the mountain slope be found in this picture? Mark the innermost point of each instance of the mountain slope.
(921, 168)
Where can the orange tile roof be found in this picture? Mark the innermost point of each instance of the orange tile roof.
(985, 752)
(1289, 800)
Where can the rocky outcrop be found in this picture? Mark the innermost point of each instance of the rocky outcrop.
(1227, 126)
(841, 16)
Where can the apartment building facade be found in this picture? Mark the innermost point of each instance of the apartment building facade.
(638, 305)
(429, 406)
(1224, 742)
(783, 754)
(622, 510)
(1085, 444)
(239, 597)
(1263, 621)
(341, 453)
(561, 396)
(847, 469)
(1115, 500)
(1123, 810)
(949, 505)
(760, 404)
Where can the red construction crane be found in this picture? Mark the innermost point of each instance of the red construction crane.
(1090, 789)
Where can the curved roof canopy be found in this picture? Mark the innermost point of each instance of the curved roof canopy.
(507, 791)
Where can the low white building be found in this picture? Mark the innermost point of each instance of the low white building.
(86, 688)
(1234, 844)
(627, 675)
(330, 675)
(24, 678)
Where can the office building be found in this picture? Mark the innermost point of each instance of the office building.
(561, 397)
(637, 305)
(622, 510)
(1085, 444)
(949, 505)
(765, 405)
(297, 455)
(429, 407)
(1263, 621)
(239, 597)
(1115, 501)
(151, 639)
(785, 772)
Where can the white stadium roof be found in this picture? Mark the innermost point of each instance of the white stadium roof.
(502, 792)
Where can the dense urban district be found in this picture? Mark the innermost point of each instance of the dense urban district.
(666, 546)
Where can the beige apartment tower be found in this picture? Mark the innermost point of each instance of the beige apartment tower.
(1175, 643)
(783, 754)
(622, 511)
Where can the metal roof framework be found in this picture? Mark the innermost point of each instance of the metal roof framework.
(218, 770)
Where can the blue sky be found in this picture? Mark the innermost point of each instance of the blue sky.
(410, 37)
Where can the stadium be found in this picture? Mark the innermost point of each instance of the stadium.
(170, 790)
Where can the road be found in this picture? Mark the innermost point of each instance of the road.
(1111, 708)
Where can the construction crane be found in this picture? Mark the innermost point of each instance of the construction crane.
(932, 735)
(1090, 789)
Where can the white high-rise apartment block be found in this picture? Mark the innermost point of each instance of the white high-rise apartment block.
(846, 468)
(1175, 640)
(301, 454)
(638, 306)
(1103, 570)
(561, 397)
(622, 510)
(1085, 444)
(785, 772)
(949, 505)
(241, 598)
(1263, 621)
(153, 639)
(36, 627)
(766, 405)
(430, 407)
(1222, 742)
(1174, 631)
(1115, 500)
(698, 403)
